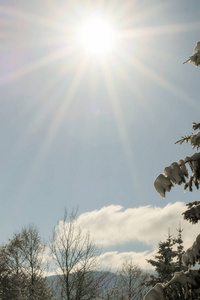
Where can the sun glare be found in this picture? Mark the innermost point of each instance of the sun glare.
(97, 36)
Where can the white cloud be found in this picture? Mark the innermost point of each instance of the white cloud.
(112, 225)
(114, 260)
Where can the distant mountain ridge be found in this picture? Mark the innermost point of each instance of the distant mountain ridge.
(109, 282)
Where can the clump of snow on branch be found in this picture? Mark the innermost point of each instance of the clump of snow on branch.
(166, 291)
(192, 255)
(173, 174)
(177, 172)
(156, 293)
(188, 279)
(195, 57)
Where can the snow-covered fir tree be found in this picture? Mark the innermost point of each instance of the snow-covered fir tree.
(168, 259)
(185, 282)
(180, 250)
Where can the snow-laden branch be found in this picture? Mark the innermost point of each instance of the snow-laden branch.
(195, 57)
(177, 173)
(194, 139)
(192, 255)
(192, 214)
(188, 281)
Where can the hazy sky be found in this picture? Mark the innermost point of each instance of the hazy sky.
(81, 130)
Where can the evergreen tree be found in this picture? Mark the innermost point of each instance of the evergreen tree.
(180, 250)
(164, 263)
(188, 282)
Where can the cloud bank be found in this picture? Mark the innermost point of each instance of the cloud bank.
(114, 226)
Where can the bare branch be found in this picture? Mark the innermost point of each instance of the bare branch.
(76, 257)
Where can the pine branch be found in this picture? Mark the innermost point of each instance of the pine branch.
(192, 214)
(185, 138)
(195, 126)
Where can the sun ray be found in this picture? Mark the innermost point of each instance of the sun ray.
(158, 79)
(59, 116)
(56, 122)
(34, 66)
(47, 109)
(120, 123)
(30, 18)
(62, 110)
(157, 30)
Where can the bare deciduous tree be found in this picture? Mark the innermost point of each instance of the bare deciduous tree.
(23, 277)
(128, 283)
(8, 282)
(77, 259)
(131, 282)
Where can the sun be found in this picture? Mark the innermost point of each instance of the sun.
(97, 36)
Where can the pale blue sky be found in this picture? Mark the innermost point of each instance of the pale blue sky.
(90, 133)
